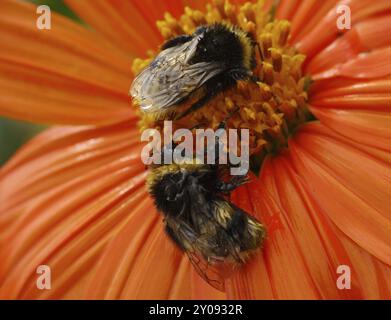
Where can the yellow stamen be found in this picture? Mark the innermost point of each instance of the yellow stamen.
(271, 108)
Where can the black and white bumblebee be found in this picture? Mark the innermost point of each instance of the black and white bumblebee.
(204, 64)
(217, 236)
(193, 197)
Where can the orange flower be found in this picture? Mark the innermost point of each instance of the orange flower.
(74, 197)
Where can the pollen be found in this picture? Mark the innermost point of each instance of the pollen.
(274, 105)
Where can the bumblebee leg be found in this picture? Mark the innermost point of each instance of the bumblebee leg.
(222, 125)
(179, 185)
(240, 74)
(231, 185)
(259, 51)
(182, 212)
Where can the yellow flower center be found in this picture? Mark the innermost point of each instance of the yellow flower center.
(271, 108)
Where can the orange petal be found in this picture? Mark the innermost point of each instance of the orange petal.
(367, 127)
(307, 14)
(286, 9)
(142, 263)
(373, 275)
(121, 22)
(63, 152)
(374, 31)
(326, 31)
(364, 36)
(65, 75)
(313, 234)
(372, 102)
(61, 209)
(341, 50)
(268, 275)
(302, 12)
(356, 109)
(253, 280)
(139, 263)
(342, 87)
(375, 64)
(357, 184)
(75, 199)
(319, 245)
(311, 18)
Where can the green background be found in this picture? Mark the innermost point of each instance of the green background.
(14, 134)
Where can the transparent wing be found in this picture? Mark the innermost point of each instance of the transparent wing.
(214, 270)
(215, 258)
(169, 79)
(215, 273)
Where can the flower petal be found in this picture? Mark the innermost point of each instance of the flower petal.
(286, 9)
(75, 199)
(253, 280)
(373, 275)
(64, 75)
(139, 263)
(120, 21)
(267, 275)
(375, 64)
(306, 15)
(357, 184)
(373, 102)
(325, 31)
(142, 263)
(318, 243)
(365, 36)
(368, 127)
(343, 87)
(62, 153)
(61, 202)
(311, 16)
(356, 108)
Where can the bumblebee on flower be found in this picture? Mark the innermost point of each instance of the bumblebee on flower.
(75, 197)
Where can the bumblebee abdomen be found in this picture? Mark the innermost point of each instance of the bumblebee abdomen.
(244, 232)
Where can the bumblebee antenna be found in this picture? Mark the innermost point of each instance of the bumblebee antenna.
(228, 116)
(259, 50)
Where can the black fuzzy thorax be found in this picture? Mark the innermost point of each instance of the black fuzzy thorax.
(176, 192)
(218, 44)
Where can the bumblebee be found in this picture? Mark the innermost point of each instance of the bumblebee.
(216, 235)
(203, 64)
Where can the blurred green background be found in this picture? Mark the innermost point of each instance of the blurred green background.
(14, 134)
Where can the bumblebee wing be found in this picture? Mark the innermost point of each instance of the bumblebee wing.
(213, 270)
(214, 274)
(170, 79)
